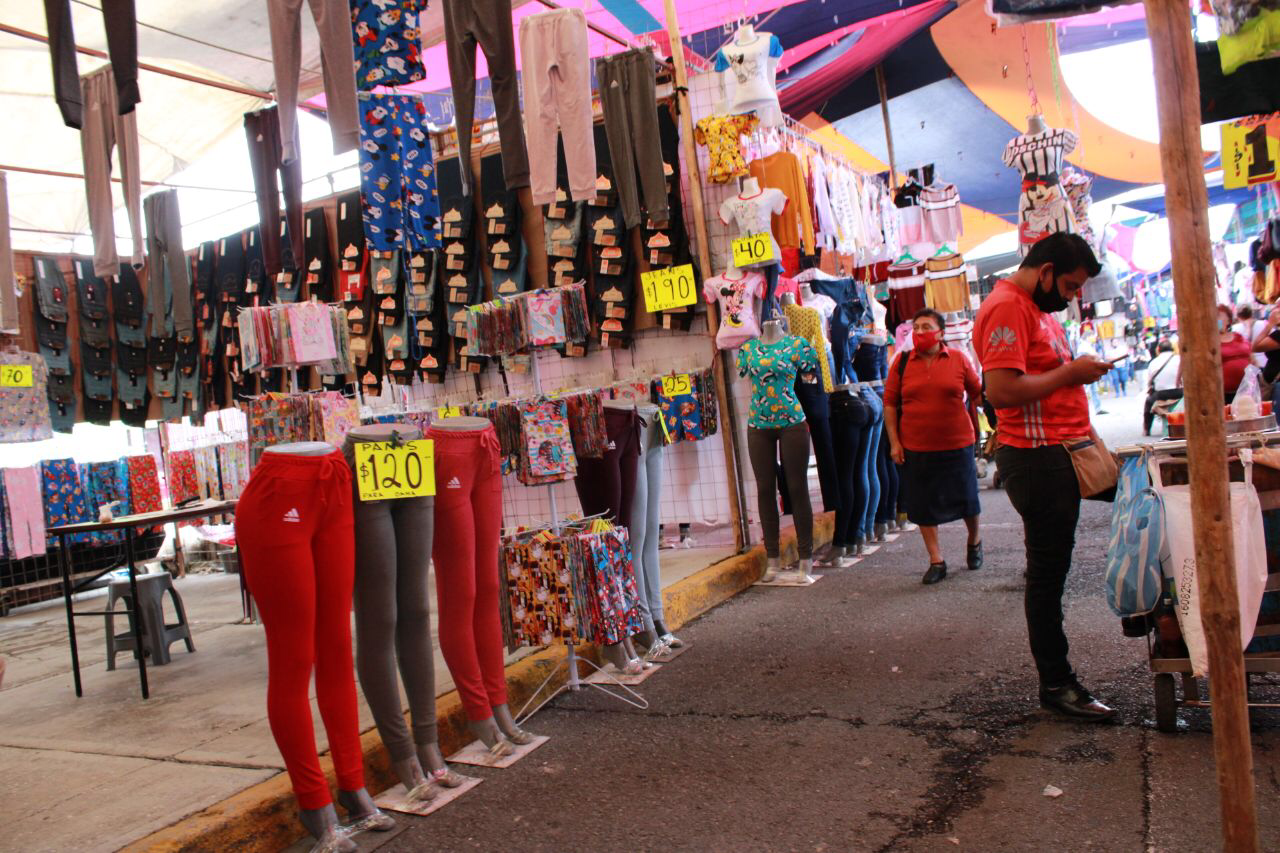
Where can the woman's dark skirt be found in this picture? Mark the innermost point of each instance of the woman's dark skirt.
(941, 486)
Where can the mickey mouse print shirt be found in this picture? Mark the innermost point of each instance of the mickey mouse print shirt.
(736, 297)
(773, 369)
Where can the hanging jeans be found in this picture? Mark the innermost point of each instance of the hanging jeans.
(393, 541)
(817, 415)
(103, 130)
(120, 21)
(608, 484)
(842, 320)
(337, 61)
(469, 508)
(645, 518)
(557, 94)
(850, 420)
(763, 446)
(871, 455)
(627, 95)
(486, 24)
(263, 130)
(169, 271)
(295, 532)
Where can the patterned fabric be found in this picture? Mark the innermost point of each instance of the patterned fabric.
(546, 318)
(807, 323)
(546, 449)
(107, 482)
(386, 42)
(144, 483)
(586, 424)
(276, 419)
(233, 465)
(773, 369)
(24, 527)
(334, 416)
(681, 413)
(721, 135)
(398, 194)
(613, 605)
(540, 588)
(24, 412)
(64, 497)
(1042, 207)
(183, 482)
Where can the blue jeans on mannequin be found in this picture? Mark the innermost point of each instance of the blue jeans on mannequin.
(870, 455)
(850, 419)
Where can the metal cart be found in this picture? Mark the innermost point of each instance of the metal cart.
(1166, 670)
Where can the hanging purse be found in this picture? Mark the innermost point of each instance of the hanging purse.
(1096, 467)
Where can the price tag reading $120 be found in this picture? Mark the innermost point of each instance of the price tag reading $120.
(384, 472)
(16, 376)
(674, 386)
(669, 288)
(752, 249)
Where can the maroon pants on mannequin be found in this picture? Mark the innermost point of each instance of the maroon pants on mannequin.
(465, 553)
(297, 546)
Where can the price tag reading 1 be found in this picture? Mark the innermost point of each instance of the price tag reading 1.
(384, 472)
(752, 249)
(1250, 151)
(16, 376)
(449, 412)
(669, 288)
(674, 386)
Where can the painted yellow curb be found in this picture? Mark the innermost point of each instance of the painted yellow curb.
(264, 817)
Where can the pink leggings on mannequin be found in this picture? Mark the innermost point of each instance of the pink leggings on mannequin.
(465, 553)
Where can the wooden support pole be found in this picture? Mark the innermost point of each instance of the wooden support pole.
(728, 429)
(888, 131)
(1178, 103)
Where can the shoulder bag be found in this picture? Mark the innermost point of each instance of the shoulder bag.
(1096, 467)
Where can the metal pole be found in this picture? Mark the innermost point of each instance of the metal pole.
(1178, 105)
(64, 560)
(136, 615)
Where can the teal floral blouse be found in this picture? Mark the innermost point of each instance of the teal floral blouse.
(773, 369)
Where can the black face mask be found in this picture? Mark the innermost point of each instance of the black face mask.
(1049, 301)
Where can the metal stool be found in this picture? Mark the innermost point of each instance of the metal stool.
(157, 636)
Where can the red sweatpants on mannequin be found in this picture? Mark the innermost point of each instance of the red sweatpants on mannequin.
(297, 549)
(465, 553)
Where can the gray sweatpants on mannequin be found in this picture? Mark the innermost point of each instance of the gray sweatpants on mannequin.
(393, 618)
(645, 518)
(762, 447)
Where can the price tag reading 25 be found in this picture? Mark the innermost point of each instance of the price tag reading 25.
(752, 249)
(669, 288)
(384, 472)
(677, 385)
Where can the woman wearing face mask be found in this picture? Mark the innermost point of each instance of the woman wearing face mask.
(931, 401)
(1237, 352)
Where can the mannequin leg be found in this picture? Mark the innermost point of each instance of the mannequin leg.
(652, 462)
(873, 476)
(414, 539)
(639, 535)
(762, 449)
(795, 458)
(862, 493)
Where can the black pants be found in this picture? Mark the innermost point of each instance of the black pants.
(849, 419)
(262, 128)
(1153, 397)
(817, 416)
(1041, 484)
(122, 46)
(763, 447)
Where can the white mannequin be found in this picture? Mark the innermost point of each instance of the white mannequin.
(303, 448)
(628, 662)
(749, 93)
(750, 187)
(806, 292)
(773, 331)
(1035, 124)
(746, 35)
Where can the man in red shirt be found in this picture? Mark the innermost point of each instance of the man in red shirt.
(1037, 389)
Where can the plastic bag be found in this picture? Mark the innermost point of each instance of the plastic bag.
(1133, 577)
(1247, 403)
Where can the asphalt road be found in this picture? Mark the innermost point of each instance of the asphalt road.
(869, 713)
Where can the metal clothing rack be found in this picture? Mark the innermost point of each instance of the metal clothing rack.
(574, 683)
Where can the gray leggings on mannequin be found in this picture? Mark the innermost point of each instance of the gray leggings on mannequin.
(393, 620)
(645, 518)
(762, 448)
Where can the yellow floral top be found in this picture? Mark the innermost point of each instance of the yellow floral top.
(721, 134)
(807, 323)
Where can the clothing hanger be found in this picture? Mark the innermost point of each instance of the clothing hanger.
(944, 251)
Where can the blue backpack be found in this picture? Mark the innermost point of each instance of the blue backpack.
(1134, 579)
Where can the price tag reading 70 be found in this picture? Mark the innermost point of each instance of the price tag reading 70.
(752, 249)
(16, 376)
(385, 472)
(669, 288)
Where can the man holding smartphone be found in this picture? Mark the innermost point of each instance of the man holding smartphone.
(1037, 388)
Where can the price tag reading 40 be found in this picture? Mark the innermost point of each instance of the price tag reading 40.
(15, 376)
(676, 385)
(669, 288)
(385, 472)
(752, 249)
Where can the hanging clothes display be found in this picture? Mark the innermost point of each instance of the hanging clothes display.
(946, 287)
(749, 65)
(386, 35)
(735, 296)
(400, 202)
(793, 228)
(722, 136)
(1043, 208)
(557, 96)
(24, 410)
(940, 203)
(546, 449)
(906, 290)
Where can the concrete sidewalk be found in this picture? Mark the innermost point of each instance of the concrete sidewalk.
(99, 772)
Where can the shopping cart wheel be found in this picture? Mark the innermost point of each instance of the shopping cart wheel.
(1166, 702)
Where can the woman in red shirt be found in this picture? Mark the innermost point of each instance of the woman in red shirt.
(931, 414)
(1237, 353)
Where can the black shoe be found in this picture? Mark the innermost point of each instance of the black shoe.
(936, 572)
(1076, 702)
(973, 557)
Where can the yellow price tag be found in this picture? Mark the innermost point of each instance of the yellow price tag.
(449, 412)
(672, 287)
(674, 386)
(752, 249)
(384, 472)
(16, 376)
(1250, 151)
(1148, 322)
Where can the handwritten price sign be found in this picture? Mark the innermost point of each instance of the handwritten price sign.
(384, 472)
(674, 386)
(16, 376)
(752, 249)
(1250, 150)
(449, 412)
(669, 288)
